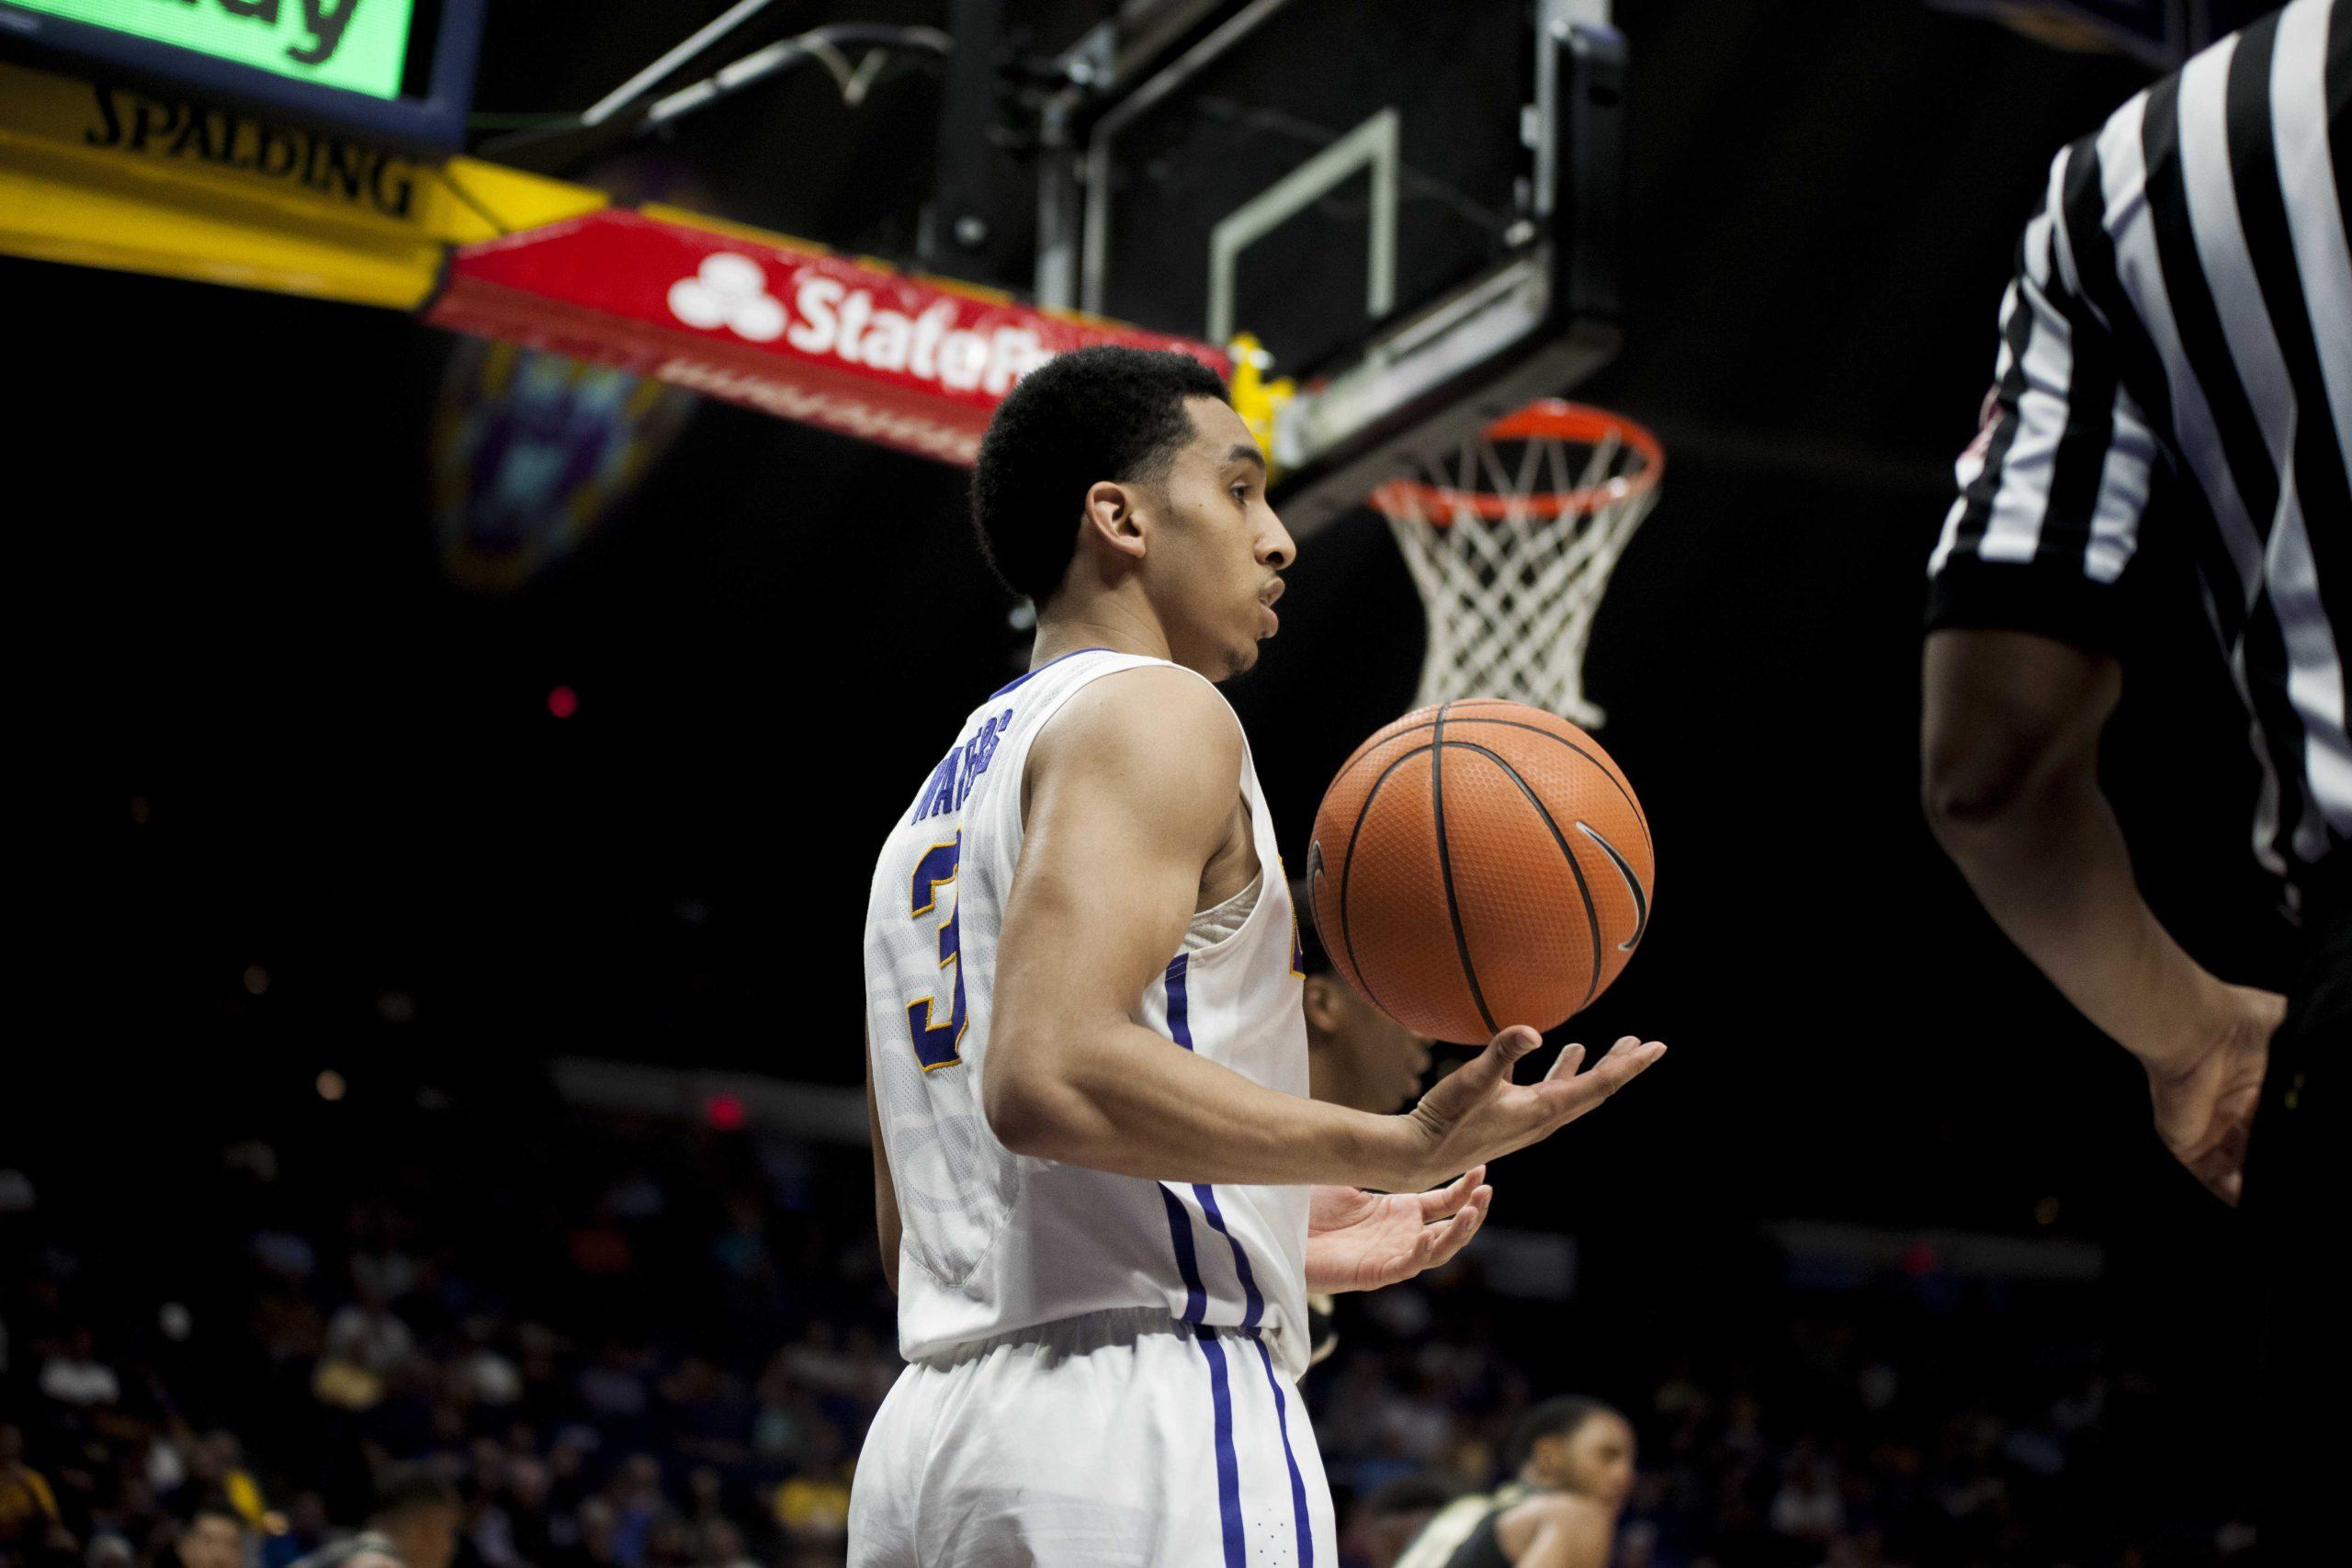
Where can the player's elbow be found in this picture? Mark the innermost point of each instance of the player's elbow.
(1028, 1110)
(1018, 1118)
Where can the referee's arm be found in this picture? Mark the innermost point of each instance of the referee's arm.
(2019, 678)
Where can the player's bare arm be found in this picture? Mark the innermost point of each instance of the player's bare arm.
(1561, 1531)
(2010, 781)
(1131, 821)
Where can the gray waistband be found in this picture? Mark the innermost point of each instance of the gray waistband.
(1069, 1336)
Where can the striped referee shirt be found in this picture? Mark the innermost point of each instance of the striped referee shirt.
(2180, 327)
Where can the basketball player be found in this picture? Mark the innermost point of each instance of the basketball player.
(1576, 1469)
(1393, 1516)
(2181, 325)
(1356, 1056)
(414, 1524)
(1099, 1179)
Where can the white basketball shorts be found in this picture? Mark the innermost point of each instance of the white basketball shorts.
(1120, 1437)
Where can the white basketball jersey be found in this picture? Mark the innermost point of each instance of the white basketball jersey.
(993, 1242)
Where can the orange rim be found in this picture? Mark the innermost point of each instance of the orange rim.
(1549, 420)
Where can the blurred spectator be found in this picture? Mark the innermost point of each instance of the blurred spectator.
(490, 1376)
(302, 1531)
(427, 1317)
(598, 1537)
(75, 1376)
(216, 1468)
(366, 1335)
(213, 1536)
(1808, 1507)
(27, 1506)
(640, 1508)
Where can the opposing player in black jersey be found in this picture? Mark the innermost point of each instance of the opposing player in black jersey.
(1576, 1469)
(1356, 1056)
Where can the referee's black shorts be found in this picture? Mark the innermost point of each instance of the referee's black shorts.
(2299, 1172)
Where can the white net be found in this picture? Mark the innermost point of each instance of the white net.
(1511, 539)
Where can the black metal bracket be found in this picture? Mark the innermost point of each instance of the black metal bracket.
(962, 230)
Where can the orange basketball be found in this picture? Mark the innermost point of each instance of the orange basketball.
(1478, 864)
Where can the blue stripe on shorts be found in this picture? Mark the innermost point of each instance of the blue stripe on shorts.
(1229, 1467)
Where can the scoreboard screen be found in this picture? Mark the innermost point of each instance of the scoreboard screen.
(396, 69)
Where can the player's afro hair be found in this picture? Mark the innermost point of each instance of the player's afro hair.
(1080, 418)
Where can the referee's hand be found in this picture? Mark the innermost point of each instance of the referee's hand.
(2205, 1103)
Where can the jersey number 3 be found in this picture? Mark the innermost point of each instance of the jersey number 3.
(936, 1038)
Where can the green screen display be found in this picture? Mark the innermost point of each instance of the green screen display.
(360, 46)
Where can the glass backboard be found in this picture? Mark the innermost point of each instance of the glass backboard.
(1411, 208)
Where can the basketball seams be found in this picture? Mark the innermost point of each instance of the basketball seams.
(1608, 769)
(1445, 867)
(1347, 864)
(1365, 753)
(1397, 728)
(1568, 852)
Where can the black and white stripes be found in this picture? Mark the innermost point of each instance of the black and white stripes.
(2181, 325)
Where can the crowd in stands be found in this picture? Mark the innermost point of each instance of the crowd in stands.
(617, 1345)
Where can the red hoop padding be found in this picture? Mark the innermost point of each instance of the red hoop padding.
(1550, 418)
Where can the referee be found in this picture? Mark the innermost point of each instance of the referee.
(2180, 326)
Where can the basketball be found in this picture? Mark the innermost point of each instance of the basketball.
(1478, 864)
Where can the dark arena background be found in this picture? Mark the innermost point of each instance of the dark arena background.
(449, 951)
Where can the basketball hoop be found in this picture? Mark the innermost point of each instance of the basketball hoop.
(1512, 538)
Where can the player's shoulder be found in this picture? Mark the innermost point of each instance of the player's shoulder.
(1161, 710)
(1558, 1506)
(1156, 738)
(1556, 1513)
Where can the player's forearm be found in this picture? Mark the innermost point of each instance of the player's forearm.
(1121, 1099)
(2050, 866)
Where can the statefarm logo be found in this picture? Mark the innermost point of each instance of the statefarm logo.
(828, 317)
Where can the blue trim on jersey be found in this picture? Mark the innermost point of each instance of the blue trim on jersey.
(1180, 1027)
(1041, 669)
(1179, 1234)
(1256, 1302)
(1305, 1526)
(1229, 1464)
(1180, 1005)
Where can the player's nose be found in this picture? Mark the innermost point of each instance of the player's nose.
(1276, 549)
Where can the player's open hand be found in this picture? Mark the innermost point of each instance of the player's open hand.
(1478, 1114)
(2205, 1105)
(1360, 1241)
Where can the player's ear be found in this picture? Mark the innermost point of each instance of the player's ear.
(1325, 1007)
(1110, 517)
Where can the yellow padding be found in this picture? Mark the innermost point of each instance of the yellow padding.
(101, 175)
